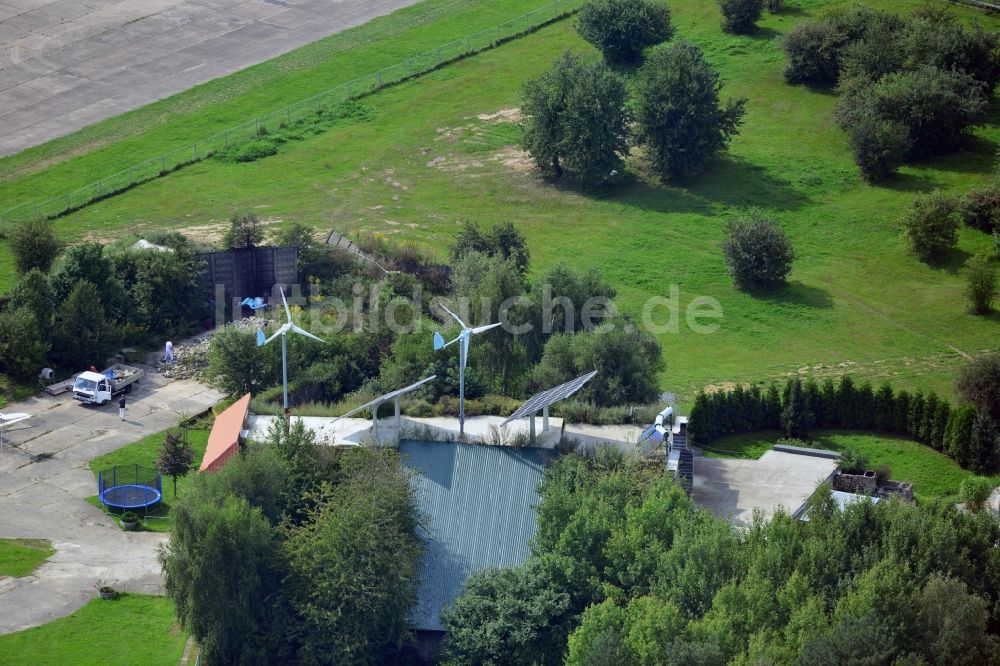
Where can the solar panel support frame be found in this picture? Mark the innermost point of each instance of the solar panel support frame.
(393, 396)
(543, 400)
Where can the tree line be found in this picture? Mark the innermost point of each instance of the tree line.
(967, 432)
(625, 571)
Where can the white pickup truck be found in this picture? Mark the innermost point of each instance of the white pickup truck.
(98, 388)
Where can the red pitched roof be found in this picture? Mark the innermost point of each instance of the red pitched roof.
(224, 440)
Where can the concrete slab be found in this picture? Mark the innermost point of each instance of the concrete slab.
(100, 45)
(44, 499)
(733, 488)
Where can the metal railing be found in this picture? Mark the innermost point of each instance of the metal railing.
(296, 112)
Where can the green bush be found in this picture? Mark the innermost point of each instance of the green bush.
(879, 147)
(975, 490)
(757, 252)
(621, 29)
(981, 209)
(936, 107)
(251, 151)
(23, 344)
(680, 120)
(981, 284)
(813, 51)
(34, 245)
(774, 6)
(853, 461)
(879, 50)
(739, 17)
(931, 225)
(245, 230)
(420, 409)
(948, 45)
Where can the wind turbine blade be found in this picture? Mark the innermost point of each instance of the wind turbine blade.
(454, 316)
(480, 329)
(285, 303)
(281, 331)
(306, 333)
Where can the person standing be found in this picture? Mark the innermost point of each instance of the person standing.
(168, 353)
(121, 408)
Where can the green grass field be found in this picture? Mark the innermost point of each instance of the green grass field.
(133, 629)
(19, 557)
(857, 302)
(144, 452)
(933, 474)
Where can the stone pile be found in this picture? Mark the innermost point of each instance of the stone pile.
(191, 355)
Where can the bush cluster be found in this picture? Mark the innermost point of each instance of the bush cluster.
(91, 300)
(965, 433)
(912, 86)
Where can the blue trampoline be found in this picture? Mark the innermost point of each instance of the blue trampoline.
(129, 487)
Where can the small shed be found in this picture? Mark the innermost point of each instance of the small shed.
(224, 440)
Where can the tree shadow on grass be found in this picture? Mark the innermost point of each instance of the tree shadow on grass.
(796, 293)
(731, 181)
(908, 182)
(763, 33)
(952, 263)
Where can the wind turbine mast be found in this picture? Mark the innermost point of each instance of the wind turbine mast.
(463, 341)
(283, 332)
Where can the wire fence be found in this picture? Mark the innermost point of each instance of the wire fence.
(290, 115)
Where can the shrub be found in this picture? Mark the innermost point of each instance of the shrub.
(739, 17)
(680, 119)
(576, 119)
(878, 51)
(83, 336)
(236, 364)
(981, 284)
(996, 242)
(979, 383)
(948, 45)
(757, 252)
(245, 230)
(853, 461)
(34, 291)
(975, 490)
(251, 151)
(813, 51)
(23, 344)
(981, 209)
(937, 107)
(774, 6)
(879, 147)
(34, 245)
(931, 225)
(621, 29)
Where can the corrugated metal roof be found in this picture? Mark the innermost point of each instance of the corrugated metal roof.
(478, 503)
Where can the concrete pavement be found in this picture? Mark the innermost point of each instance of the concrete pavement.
(44, 499)
(65, 65)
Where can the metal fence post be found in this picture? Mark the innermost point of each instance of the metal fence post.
(527, 21)
(288, 115)
(195, 151)
(498, 35)
(130, 175)
(378, 79)
(163, 162)
(225, 135)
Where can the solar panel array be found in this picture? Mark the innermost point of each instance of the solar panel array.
(387, 397)
(541, 400)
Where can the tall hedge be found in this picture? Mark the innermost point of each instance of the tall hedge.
(965, 434)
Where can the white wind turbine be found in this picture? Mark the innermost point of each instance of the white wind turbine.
(463, 340)
(283, 332)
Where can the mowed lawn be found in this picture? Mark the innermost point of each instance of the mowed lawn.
(133, 629)
(857, 302)
(19, 557)
(144, 453)
(933, 474)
